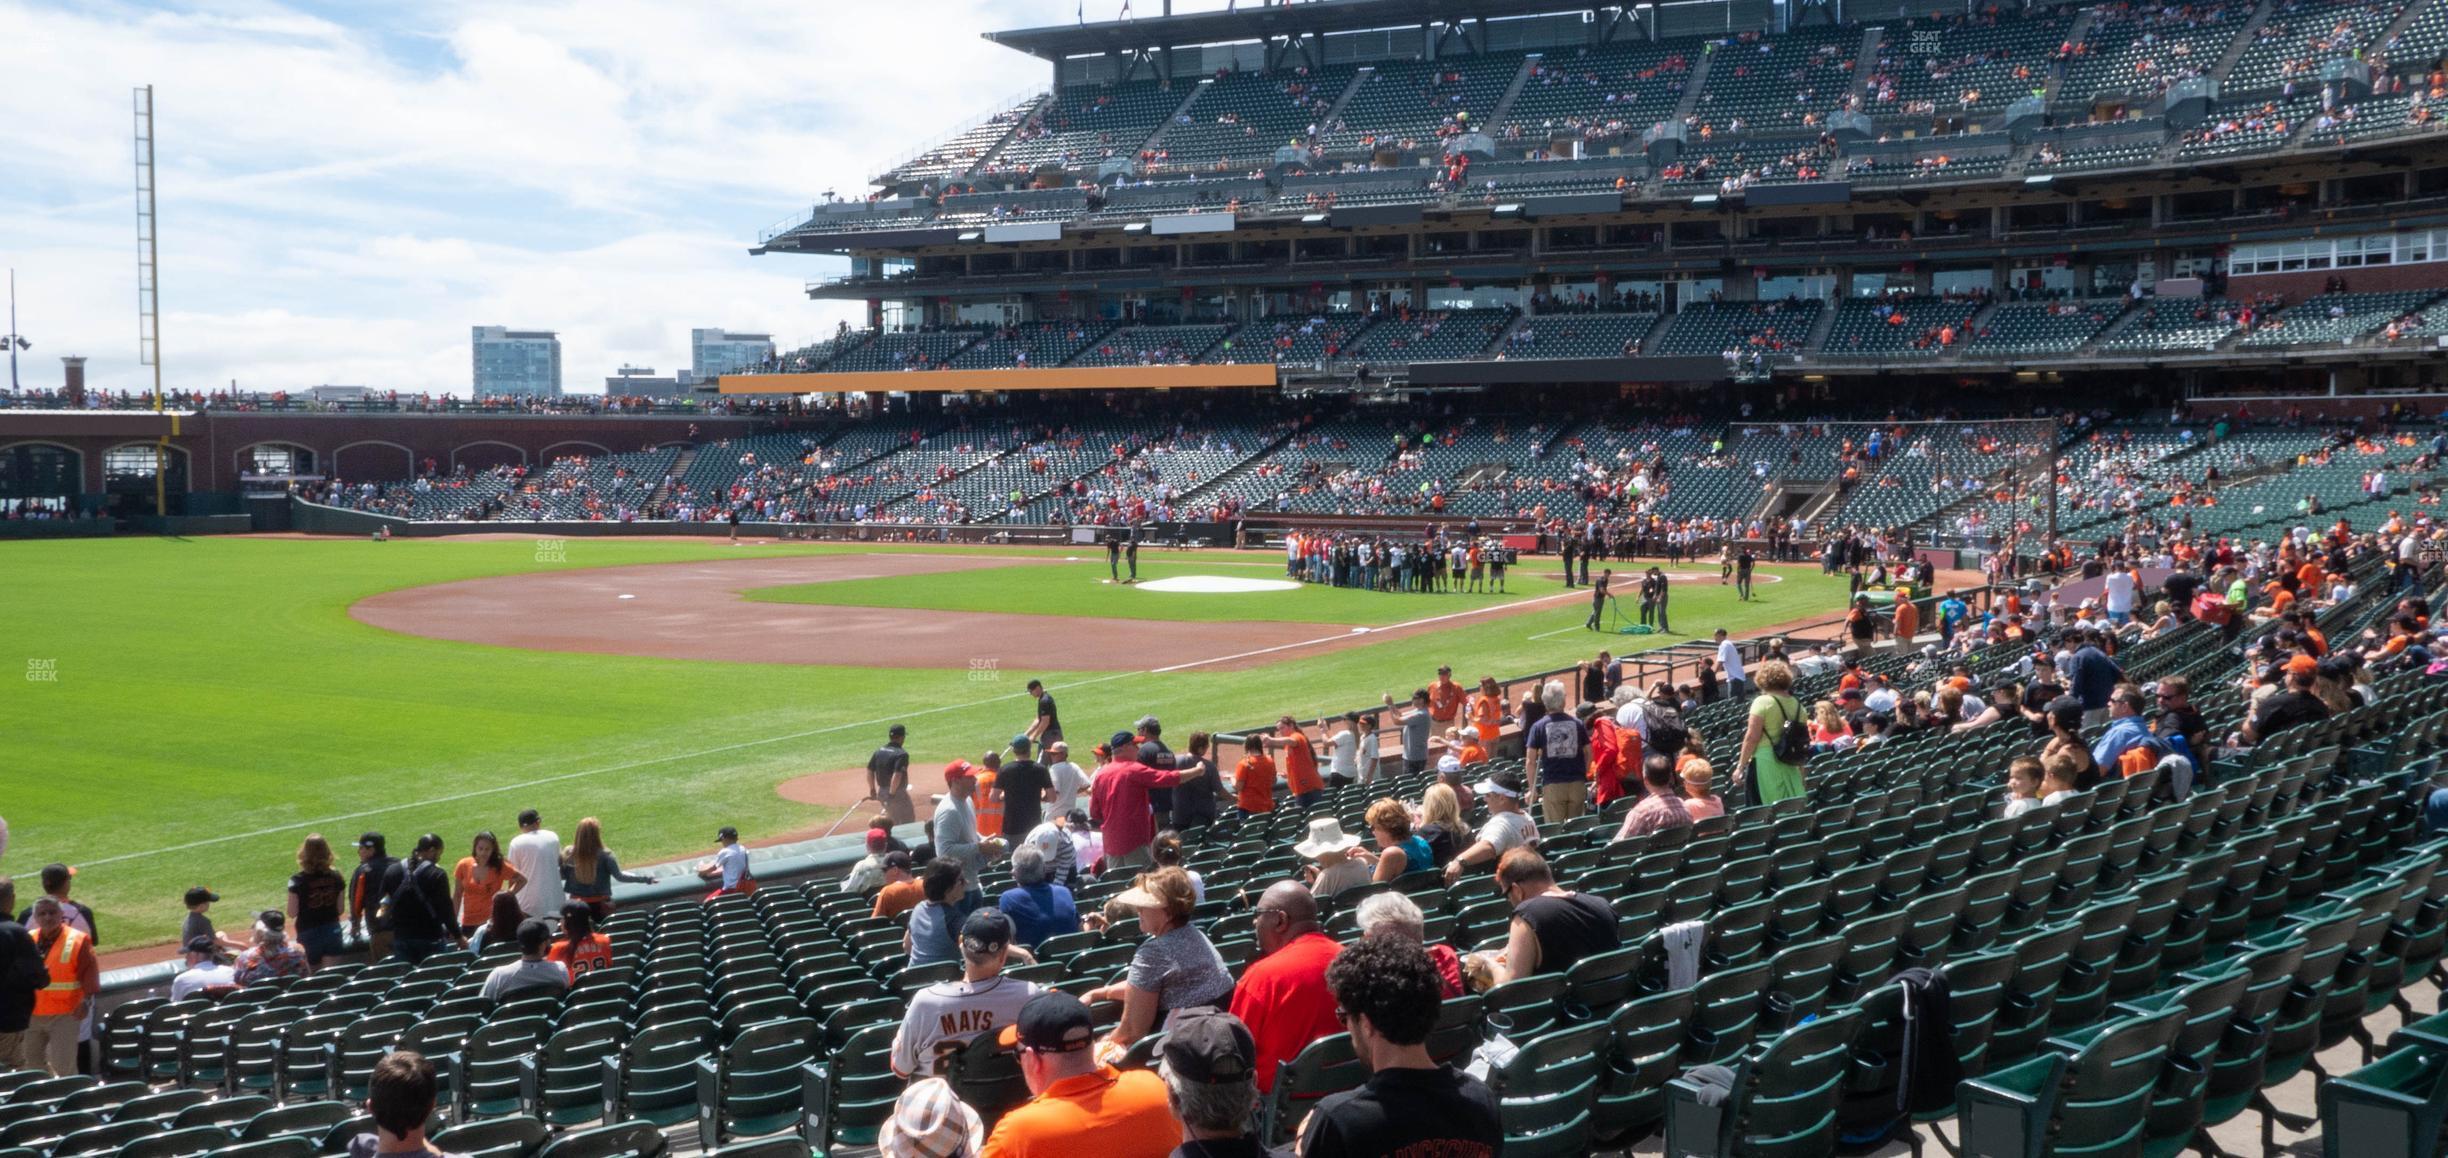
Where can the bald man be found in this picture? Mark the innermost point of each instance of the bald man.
(1283, 996)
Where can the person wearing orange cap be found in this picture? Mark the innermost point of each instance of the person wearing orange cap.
(955, 827)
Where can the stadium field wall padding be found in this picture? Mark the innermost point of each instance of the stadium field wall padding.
(961, 381)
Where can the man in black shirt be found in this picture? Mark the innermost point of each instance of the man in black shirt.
(1743, 564)
(365, 896)
(888, 777)
(1386, 994)
(2175, 695)
(1048, 726)
(2282, 710)
(416, 893)
(22, 974)
(1024, 786)
(2043, 689)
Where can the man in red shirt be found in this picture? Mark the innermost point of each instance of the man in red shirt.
(1119, 803)
(1282, 996)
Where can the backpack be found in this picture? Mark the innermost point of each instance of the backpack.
(1791, 743)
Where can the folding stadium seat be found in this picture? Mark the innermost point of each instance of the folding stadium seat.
(2139, 960)
(104, 1099)
(2176, 1110)
(1737, 937)
(653, 1077)
(160, 1106)
(302, 1054)
(45, 1130)
(1871, 948)
(1526, 1007)
(1929, 928)
(1324, 1067)
(619, 1140)
(516, 1136)
(484, 1073)
(1595, 986)
(859, 1088)
(104, 1139)
(1648, 1043)
(2089, 1102)
(755, 1086)
(169, 1143)
(1727, 1010)
(1783, 1101)
(987, 1077)
(228, 1113)
(269, 1148)
(304, 1120)
(1804, 974)
(562, 1083)
(1545, 1092)
(2031, 1000)
(119, 1038)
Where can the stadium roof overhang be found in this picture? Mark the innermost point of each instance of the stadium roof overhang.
(1255, 22)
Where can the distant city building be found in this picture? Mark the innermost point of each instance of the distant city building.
(713, 352)
(642, 382)
(511, 361)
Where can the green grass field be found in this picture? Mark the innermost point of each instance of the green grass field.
(193, 707)
(1086, 588)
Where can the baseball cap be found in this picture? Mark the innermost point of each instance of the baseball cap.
(272, 919)
(2302, 662)
(200, 895)
(1207, 1045)
(958, 770)
(726, 832)
(930, 1122)
(1122, 742)
(986, 930)
(878, 839)
(1020, 743)
(1505, 783)
(202, 944)
(1051, 1022)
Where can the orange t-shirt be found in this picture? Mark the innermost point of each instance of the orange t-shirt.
(1254, 783)
(1487, 715)
(1300, 765)
(1111, 1111)
(476, 889)
(583, 957)
(1471, 752)
(897, 898)
(1444, 701)
(1907, 619)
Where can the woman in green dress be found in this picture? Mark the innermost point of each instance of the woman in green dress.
(1774, 706)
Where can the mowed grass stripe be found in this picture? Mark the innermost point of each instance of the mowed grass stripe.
(218, 686)
(1086, 589)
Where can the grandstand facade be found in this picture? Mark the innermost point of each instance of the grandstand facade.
(2245, 195)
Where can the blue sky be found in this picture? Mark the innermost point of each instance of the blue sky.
(347, 187)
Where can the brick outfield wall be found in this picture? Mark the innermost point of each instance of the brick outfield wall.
(358, 446)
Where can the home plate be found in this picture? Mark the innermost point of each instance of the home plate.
(1217, 585)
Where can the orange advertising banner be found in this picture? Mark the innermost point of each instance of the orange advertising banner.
(1033, 378)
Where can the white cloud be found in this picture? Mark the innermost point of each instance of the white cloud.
(345, 189)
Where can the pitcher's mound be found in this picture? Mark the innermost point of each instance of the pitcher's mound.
(1217, 585)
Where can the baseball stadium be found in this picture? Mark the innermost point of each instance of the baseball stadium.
(1455, 577)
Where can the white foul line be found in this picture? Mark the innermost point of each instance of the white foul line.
(1362, 632)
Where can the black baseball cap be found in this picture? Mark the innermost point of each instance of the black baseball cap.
(272, 919)
(985, 931)
(726, 832)
(1121, 740)
(200, 895)
(1051, 1022)
(1207, 1046)
(204, 945)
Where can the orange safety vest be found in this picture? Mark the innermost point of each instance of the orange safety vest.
(65, 991)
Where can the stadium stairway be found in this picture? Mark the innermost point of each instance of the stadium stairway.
(1512, 92)
(2117, 325)
(1865, 62)
(2244, 39)
(1156, 139)
(671, 478)
(2077, 33)
(1814, 341)
(1693, 86)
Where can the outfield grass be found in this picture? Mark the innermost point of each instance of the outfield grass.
(213, 702)
(1087, 588)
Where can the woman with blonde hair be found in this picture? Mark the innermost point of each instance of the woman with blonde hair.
(1440, 823)
(317, 898)
(1828, 725)
(1399, 850)
(1768, 777)
(588, 869)
(1177, 967)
